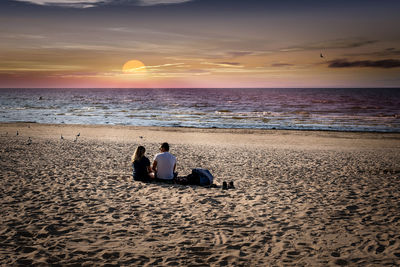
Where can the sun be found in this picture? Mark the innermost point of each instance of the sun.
(134, 66)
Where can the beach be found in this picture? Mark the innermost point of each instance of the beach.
(301, 198)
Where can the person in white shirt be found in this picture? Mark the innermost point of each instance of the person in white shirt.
(164, 164)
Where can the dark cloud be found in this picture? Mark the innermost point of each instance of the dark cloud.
(333, 44)
(229, 63)
(354, 44)
(384, 53)
(390, 51)
(386, 64)
(281, 65)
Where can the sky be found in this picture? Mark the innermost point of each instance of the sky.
(199, 43)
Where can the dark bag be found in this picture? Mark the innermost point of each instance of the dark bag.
(200, 177)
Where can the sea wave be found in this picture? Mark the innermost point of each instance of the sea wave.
(301, 109)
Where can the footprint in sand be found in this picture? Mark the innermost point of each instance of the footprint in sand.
(111, 255)
(220, 238)
(28, 249)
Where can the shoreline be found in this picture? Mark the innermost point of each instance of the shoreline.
(245, 130)
(205, 129)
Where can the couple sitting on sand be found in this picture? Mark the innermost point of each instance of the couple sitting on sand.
(163, 169)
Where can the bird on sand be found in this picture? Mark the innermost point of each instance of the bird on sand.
(62, 137)
(76, 137)
(29, 141)
(17, 133)
(321, 56)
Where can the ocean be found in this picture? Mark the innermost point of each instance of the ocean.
(344, 109)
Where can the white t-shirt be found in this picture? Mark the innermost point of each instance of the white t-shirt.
(165, 165)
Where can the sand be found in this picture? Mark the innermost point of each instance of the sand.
(302, 198)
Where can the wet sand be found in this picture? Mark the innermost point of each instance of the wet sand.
(302, 198)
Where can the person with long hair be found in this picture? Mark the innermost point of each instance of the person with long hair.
(141, 165)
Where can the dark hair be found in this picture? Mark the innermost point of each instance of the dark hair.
(165, 145)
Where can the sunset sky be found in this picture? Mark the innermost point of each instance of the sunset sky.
(199, 43)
